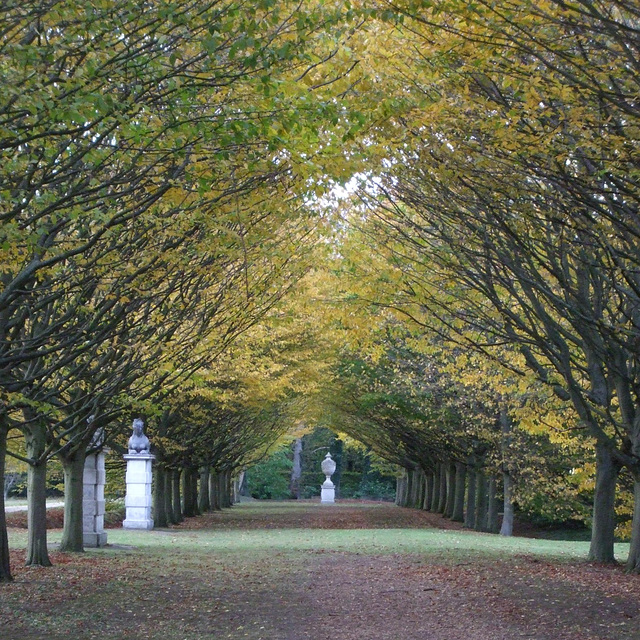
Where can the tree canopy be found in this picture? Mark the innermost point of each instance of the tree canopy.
(413, 222)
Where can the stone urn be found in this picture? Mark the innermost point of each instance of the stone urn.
(328, 466)
(328, 489)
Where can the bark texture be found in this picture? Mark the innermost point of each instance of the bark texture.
(633, 561)
(435, 496)
(442, 501)
(159, 499)
(193, 485)
(507, 519)
(189, 509)
(72, 532)
(177, 503)
(428, 491)
(470, 515)
(204, 502)
(451, 484)
(603, 527)
(481, 501)
(460, 485)
(168, 496)
(228, 490)
(5, 566)
(214, 491)
(420, 480)
(296, 470)
(492, 508)
(37, 554)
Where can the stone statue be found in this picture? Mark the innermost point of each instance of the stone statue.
(138, 442)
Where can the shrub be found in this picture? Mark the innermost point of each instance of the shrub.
(269, 480)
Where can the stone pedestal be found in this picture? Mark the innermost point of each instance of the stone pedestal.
(328, 492)
(93, 532)
(138, 498)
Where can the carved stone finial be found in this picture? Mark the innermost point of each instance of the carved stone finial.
(138, 442)
(328, 466)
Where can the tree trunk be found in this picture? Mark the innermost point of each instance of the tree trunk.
(159, 497)
(204, 501)
(442, 502)
(492, 509)
(458, 501)
(168, 496)
(5, 566)
(428, 491)
(222, 490)
(401, 483)
(435, 496)
(296, 470)
(72, 532)
(410, 488)
(470, 515)
(228, 488)
(633, 561)
(481, 500)
(406, 488)
(337, 449)
(189, 509)
(242, 484)
(451, 483)
(177, 506)
(37, 554)
(604, 524)
(420, 480)
(195, 475)
(507, 519)
(506, 427)
(214, 491)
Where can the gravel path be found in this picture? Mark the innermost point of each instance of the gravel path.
(23, 507)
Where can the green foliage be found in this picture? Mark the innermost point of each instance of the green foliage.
(115, 487)
(269, 480)
(383, 488)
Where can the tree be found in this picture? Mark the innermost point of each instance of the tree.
(145, 128)
(524, 207)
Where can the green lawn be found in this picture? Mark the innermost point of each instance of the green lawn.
(378, 541)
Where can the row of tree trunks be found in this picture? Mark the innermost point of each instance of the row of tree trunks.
(449, 487)
(188, 492)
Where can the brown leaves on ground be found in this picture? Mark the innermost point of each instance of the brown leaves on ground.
(18, 519)
(55, 519)
(339, 516)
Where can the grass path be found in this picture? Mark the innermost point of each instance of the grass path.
(292, 571)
